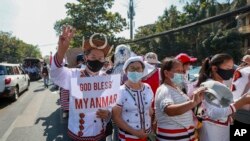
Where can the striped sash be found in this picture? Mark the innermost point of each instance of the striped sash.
(176, 134)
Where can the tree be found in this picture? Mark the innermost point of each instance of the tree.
(224, 42)
(13, 50)
(92, 16)
(201, 41)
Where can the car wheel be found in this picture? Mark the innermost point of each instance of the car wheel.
(28, 85)
(16, 94)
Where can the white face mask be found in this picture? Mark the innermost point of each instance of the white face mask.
(177, 79)
(135, 76)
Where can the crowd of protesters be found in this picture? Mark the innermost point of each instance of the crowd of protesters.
(156, 99)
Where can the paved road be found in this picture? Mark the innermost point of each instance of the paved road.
(35, 116)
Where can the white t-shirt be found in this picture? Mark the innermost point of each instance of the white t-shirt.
(182, 125)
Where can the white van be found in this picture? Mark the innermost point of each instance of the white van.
(13, 80)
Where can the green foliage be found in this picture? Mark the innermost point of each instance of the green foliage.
(224, 42)
(201, 41)
(13, 50)
(91, 16)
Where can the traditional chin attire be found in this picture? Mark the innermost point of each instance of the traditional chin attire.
(240, 86)
(82, 126)
(169, 128)
(64, 99)
(217, 116)
(151, 72)
(135, 106)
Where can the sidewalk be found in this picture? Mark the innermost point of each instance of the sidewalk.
(44, 125)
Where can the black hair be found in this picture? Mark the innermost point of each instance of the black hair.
(167, 64)
(79, 58)
(112, 58)
(206, 68)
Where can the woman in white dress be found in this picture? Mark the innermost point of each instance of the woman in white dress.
(132, 113)
(173, 107)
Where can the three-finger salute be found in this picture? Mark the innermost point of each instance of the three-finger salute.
(64, 41)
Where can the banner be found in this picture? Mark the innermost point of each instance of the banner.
(93, 93)
(87, 95)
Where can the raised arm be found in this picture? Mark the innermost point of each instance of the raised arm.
(59, 74)
(63, 43)
(217, 112)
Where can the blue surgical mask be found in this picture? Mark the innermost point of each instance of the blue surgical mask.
(135, 76)
(177, 79)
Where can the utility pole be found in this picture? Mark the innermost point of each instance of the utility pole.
(131, 14)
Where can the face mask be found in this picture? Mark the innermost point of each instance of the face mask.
(135, 76)
(94, 65)
(225, 74)
(177, 79)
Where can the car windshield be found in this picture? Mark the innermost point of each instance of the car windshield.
(2, 70)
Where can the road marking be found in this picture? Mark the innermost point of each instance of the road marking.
(28, 117)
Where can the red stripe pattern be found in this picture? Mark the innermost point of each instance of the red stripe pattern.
(56, 61)
(64, 99)
(176, 134)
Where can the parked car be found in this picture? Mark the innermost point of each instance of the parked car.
(13, 80)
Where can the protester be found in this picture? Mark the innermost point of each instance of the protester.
(245, 61)
(241, 85)
(45, 73)
(132, 114)
(152, 74)
(216, 117)
(152, 59)
(80, 61)
(152, 77)
(64, 99)
(172, 107)
(95, 52)
(182, 79)
(121, 54)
